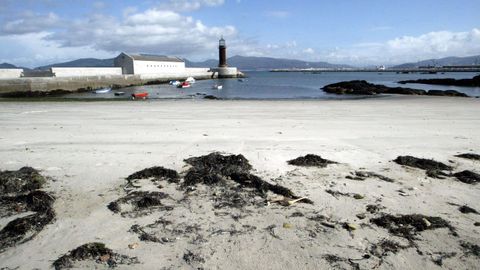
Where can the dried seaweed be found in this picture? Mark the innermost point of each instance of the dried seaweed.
(363, 175)
(157, 173)
(467, 177)
(422, 163)
(310, 160)
(143, 202)
(469, 156)
(467, 209)
(24, 180)
(408, 226)
(96, 252)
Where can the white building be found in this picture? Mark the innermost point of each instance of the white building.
(146, 64)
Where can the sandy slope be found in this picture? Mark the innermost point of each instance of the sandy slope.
(89, 148)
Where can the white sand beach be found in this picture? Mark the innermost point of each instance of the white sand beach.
(89, 148)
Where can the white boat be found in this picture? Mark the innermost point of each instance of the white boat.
(175, 83)
(217, 87)
(103, 90)
(190, 80)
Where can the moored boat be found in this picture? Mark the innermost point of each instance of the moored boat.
(217, 87)
(119, 93)
(142, 95)
(103, 90)
(185, 84)
(190, 80)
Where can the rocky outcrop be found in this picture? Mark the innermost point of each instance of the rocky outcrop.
(474, 82)
(366, 88)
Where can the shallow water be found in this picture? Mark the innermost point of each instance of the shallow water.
(285, 85)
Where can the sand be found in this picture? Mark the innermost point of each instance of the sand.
(88, 148)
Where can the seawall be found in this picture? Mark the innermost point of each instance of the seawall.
(73, 83)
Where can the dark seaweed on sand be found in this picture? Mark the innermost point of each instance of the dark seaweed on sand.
(140, 201)
(408, 226)
(469, 156)
(96, 252)
(467, 210)
(467, 177)
(471, 249)
(311, 160)
(19, 194)
(215, 168)
(422, 163)
(156, 172)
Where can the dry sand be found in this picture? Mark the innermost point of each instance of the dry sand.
(88, 148)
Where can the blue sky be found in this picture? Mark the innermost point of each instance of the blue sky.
(358, 32)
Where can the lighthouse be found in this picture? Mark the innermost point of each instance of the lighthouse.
(222, 53)
(223, 70)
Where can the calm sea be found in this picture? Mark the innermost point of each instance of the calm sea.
(284, 85)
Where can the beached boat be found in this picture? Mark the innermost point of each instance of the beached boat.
(142, 95)
(185, 84)
(103, 90)
(119, 93)
(190, 80)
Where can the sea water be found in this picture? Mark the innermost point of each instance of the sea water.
(284, 85)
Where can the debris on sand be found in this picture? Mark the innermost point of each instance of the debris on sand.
(341, 263)
(140, 202)
(24, 180)
(363, 175)
(408, 226)
(190, 258)
(336, 193)
(437, 258)
(434, 168)
(158, 173)
(467, 177)
(469, 156)
(471, 249)
(374, 208)
(467, 210)
(311, 160)
(96, 252)
(386, 246)
(20, 194)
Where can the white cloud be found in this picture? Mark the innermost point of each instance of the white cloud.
(29, 22)
(150, 31)
(190, 5)
(309, 51)
(409, 48)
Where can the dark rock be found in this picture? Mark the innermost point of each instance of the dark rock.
(469, 156)
(448, 93)
(421, 163)
(467, 177)
(156, 172)
(408, 226)
(96, 252)
(474, 82)
(311, 160)
(212, 97)
(467, 210)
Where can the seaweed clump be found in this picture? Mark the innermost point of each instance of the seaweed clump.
(363, 175)
(434, 168)
(467, 177)
(471, 249)
(311, 160)
(469, 156)
(465, 209)
(20, 194)
(157, 173)
(141, 202)
(408, 226)
(96, 252)
(215, 169)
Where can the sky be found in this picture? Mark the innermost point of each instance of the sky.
(355, 32)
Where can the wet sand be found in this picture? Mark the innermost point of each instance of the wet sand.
(88, 148)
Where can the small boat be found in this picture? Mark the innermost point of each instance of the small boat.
(174, 83)
(142, 95)
(190, 80)
(119, 93)
(103, 90)
(217, 87)
(185, 84)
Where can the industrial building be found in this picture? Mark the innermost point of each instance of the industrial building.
(144, 64)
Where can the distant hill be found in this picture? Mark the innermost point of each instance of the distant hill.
(264, 63)
(447, 61)
(83, 62)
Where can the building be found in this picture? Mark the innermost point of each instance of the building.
(147, 64)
